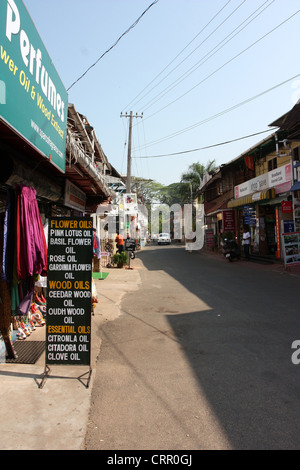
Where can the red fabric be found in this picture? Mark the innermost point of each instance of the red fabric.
(249, 162)
(31, 256)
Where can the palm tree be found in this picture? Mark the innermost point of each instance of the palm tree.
(192, 178)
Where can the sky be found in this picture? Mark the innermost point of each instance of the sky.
(200, 72)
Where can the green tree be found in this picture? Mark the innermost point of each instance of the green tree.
(191, 179)
(147, 189)
(171, 194)
(150, 191)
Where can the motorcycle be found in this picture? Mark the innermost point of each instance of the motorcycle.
(230, 249)
(131, 247)
(137, 248)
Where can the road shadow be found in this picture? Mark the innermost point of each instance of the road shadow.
(239, 348)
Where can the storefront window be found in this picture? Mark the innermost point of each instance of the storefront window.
(272, 164)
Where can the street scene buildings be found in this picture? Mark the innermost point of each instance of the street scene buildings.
(259, 188)
(53, 167)
(53, 149)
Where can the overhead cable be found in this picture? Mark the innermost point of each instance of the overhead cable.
(207, 147)
(221, 113)
(134, 102)
(225, 64)
(114, 45)
(208, 56)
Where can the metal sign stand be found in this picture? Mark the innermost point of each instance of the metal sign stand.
(47, 371)
(88, 378)
(104, 253)
(100, 262)
(129, 257)
(45, 375)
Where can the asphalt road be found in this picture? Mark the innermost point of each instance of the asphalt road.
(200, 358)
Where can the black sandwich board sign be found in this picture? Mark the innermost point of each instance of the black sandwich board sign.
(130, 244)
(69, 292)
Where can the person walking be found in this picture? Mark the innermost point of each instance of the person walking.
(246, 242)
(120, 243)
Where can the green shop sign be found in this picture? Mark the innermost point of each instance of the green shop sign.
(33, 99)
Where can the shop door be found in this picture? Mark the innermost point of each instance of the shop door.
(270, 224)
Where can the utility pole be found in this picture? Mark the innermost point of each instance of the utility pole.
(131, 116)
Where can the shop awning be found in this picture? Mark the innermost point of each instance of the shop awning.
(296, 186)
(240, 201)
(252, 198)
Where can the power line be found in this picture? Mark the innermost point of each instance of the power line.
(114, 45)
(221, 113)
(207, 147)
(209, 55)
(224, 65)
(173, 60)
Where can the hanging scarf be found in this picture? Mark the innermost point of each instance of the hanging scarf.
(31, 242)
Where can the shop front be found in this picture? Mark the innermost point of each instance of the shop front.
(267, 213)
(218, 219)
(266, 221)
(275, 218)
(248, 215)
(33, 127)
(36, 184)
